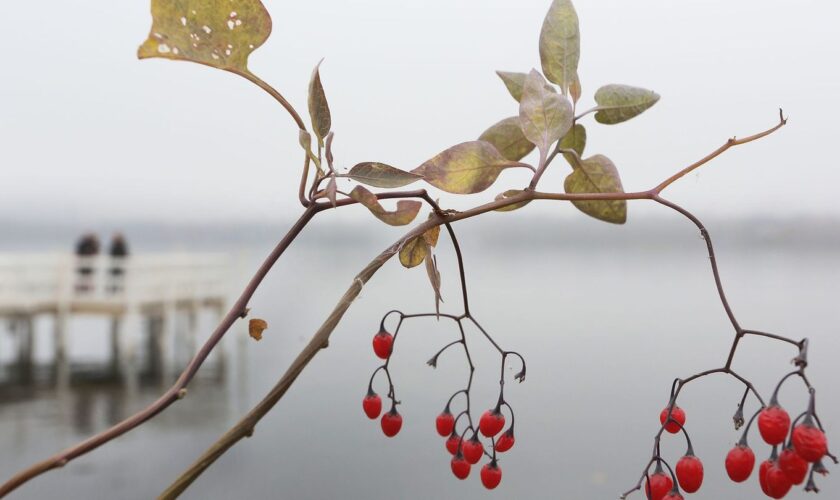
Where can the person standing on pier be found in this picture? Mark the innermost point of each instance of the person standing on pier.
(87, 248)
(116, 272)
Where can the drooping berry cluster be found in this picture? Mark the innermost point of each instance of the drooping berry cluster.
(798, 447)
(466, 445)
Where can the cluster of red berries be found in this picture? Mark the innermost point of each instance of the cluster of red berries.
(466, 447)
(391, 422)
(688, 473)
(803, 446)
(802, 442)
(468, 452)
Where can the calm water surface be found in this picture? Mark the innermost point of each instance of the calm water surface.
(604, 329)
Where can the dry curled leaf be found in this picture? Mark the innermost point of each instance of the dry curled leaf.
(256, 328)
(406, 210)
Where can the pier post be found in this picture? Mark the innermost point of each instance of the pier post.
(25, 363)
(61, 365)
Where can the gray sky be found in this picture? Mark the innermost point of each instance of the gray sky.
(89, 133)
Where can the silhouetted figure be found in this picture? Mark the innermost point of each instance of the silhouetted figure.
(116, 272)
(87, 249)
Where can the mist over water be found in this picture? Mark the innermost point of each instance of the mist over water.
(605, 316)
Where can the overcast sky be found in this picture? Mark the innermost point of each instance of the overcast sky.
(89, 133)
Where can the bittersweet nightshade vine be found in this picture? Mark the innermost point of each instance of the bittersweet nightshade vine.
(223, 33)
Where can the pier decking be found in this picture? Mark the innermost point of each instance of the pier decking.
(147, 298)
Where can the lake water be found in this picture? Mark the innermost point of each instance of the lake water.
(606, 318)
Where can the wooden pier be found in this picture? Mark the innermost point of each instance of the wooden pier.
(152, 304)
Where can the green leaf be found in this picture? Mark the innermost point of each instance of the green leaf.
(218, 33)
(414, 252)
(515, 82)
(319, 109)
(508, 138)
(545, 116)
(560, 44)
(381, 175)
(574, 139)
(508, 194)
(619, 103)
(467, 168)
(405, 213)
(597, 174)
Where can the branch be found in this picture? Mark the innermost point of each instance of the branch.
(245, 427)
(714, 154)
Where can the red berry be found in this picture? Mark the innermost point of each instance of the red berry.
(391, 423)
(762, 475)
(383, 342)
(673, 495)
(676, 421)
(739, 463)
(794, 466)
(372, 404)
(492, 422)
(453, 443)
(445, 423)
(773, 424)
(778, 484)
(505, 441)
(491, 475)
(689, 472)
(460, 467)
(473, 450)
(809, 442)
(658, 486)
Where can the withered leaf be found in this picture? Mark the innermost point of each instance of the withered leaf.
(217, 33)
(434, 278)
(414, 252)
(405, 213)
(381, 175)
(597, 174)
(508, 138)
(256, 328)
(466, 168)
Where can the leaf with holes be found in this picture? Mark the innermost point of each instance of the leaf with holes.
(508, 138)
(414, 252)
(545, 116)
(217, 33)
(319, 109)
(381, 175)
(619, 103)
(560, 44)
(514, 206)
(469, 167)
(405, 213)
(574, 139)
(597, 174)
